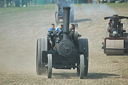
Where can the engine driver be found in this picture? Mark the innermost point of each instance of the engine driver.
(51, 29)
(72, 30)
(110, 27)
(59, 28)
(51, 34)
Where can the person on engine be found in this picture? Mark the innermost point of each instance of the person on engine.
(72, 27)
(110, 27)
(59, 28)
(51, 29)
(51, 40)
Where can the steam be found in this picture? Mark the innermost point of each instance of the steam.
(91, 23)
(98, 9)
(94, 10)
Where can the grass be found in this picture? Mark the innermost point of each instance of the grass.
(118, 5)
(22, 9)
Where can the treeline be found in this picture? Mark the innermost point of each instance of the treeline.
(17, 3)
(24, 3)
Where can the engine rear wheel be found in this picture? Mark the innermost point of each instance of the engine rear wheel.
(78, 69)
(72, 18)
(41, 46)
(86, 58)
(83, 48)
(72, 14)
(56, 18)
(104, 51)
(82, 66)
(49, 66)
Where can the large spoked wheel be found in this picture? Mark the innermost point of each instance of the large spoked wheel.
(104, 50)
(56, 18)
(72, 15)
(72, 18)
(86, 58)
(83, 46)
(41, 46)
(82, 66)
(49, 66)
(78, 69)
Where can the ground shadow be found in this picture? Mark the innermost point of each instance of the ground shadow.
(81, 20)
(65, 75)
(99, 75)
(125, 54)
(90, 75)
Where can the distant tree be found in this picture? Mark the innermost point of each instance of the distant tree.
(5, 3)
(77, 1)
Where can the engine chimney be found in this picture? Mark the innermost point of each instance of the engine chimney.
(66, 46)
(66, 16)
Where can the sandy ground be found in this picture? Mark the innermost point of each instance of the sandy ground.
(18, 36)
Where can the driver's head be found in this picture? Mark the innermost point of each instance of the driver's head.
(61, 26)
(119, 20)
(52, 26)
(110, 20)
(72, 27)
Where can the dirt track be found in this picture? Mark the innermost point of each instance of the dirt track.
(18, 48)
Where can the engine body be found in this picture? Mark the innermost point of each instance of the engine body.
(117, 42)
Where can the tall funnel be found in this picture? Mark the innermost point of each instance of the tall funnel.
(66, 16)
(116, 20)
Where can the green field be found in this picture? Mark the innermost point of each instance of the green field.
(22, 9)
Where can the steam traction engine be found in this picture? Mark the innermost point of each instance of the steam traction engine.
(117, 42)
(59, 11)
(64, 50)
